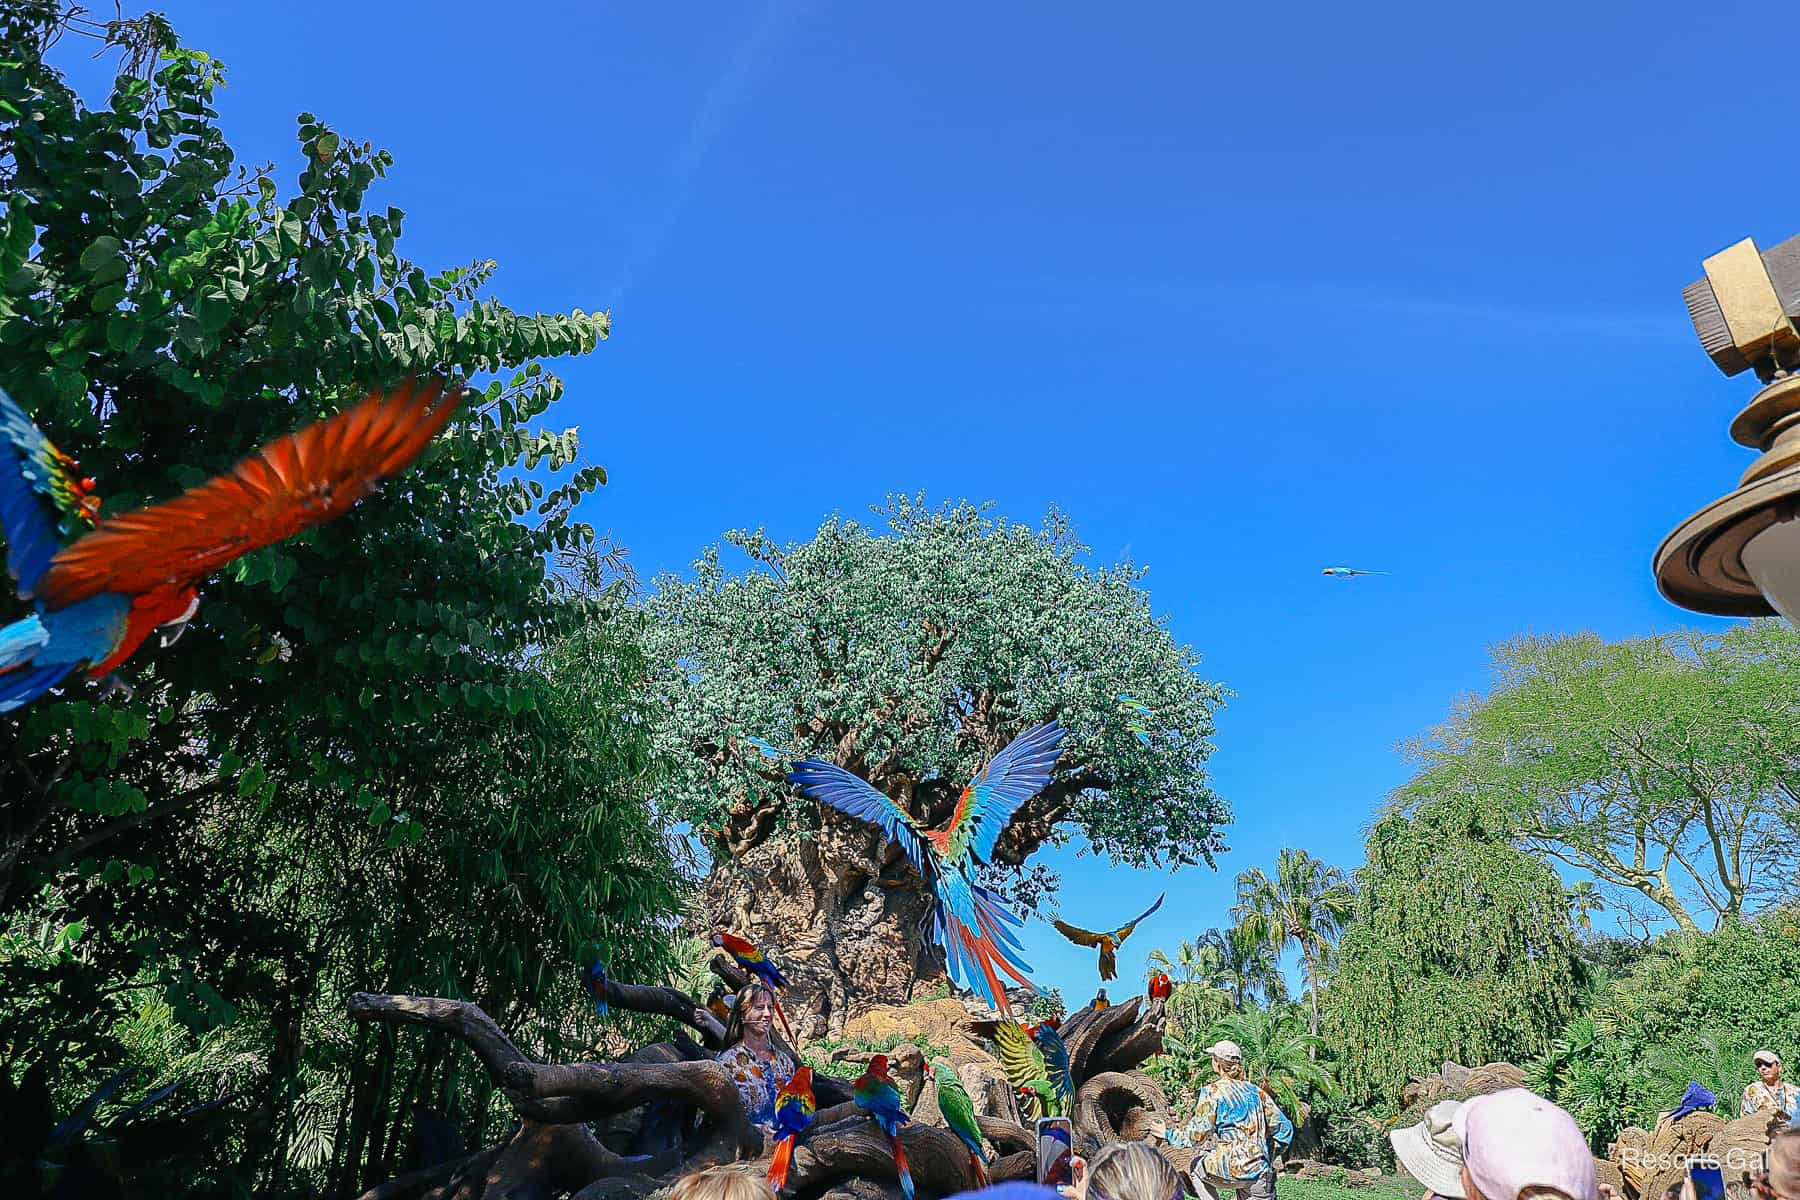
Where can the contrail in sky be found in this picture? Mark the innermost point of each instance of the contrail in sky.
(743, 69)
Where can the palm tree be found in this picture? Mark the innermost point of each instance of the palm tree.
(1583, 899)
(1245, 964)
(1279, 1056)
(1201, 994)
(1305, 905)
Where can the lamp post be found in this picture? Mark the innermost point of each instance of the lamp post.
(1740, 555)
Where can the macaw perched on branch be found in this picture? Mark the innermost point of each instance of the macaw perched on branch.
(121, 578)
(1024, 1065)
(594, 981)
(794, 1109)
(1160, 986)
(1109, 943)
(959, 1114)
(1056, 1062)
(756, 964)
(969, 921)
(877, 1094)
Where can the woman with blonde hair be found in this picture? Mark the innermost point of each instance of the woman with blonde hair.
(1130, 1171)
(722, 1183)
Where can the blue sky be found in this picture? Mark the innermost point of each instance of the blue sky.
(1248, 290)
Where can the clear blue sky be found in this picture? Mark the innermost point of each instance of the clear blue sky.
(1248, 289)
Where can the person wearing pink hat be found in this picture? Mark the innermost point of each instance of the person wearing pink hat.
(1517, 1145)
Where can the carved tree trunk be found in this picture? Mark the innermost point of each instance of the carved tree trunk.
(839, 913)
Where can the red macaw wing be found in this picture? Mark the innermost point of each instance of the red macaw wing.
(1015, 775)
(1124, 931)
(293, 483)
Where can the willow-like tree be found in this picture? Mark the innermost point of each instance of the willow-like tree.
(910, 656)
(1459, 947)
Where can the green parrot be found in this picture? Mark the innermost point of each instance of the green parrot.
(959, 1115)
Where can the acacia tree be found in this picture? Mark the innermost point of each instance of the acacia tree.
(1459, 947)
(910, 657)
(1663, 767)
(373, 763)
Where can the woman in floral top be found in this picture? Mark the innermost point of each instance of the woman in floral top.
(757, 1067)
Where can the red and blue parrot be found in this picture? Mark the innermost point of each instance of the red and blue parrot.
(877, 1094)
(794, 1109)
(119, 579)
(969, 921)
(594, 981)
(757, 964)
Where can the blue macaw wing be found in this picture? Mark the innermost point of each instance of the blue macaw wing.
(830, 784)
(42, 500)
(1015, 775)
(1124, 931)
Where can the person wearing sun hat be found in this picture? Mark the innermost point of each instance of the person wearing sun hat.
(1431, 1151)
(1515, 1142)
(1769, 1093)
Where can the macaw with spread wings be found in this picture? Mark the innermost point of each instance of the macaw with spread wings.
(970, 922)
(1109, 943)
(119, 579)
(1026, 1070)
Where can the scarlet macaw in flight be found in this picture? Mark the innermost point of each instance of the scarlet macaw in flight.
(96, 599)
(970, 922)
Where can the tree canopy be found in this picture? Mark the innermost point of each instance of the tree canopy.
(912, 655)
(1664, 767)
(375, 762)
(1459, 948)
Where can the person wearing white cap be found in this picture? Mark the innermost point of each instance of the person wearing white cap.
(1240, 1127)
(1517, 1145)
(1768, 1093)
(1431, 1151)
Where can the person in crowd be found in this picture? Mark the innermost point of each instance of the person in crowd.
(1127, 1171)
(1240, 1128)
(1784, 1164)
(1519, 1146)
(1431, 1151)
(757, 1065)
(722, 1183)
(1769, 1093)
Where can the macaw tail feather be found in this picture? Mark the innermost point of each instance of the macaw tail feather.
(786, 1028)
(900, 1167)
(601, 1008)
(19, 688)
(980, 1169)
(778, 1166)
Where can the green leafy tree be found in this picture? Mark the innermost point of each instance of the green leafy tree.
(394, 754)
(1692, 1006)
(1662, 767)
(910, 656)
(1304, 906)
(1459, 947)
